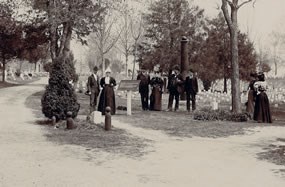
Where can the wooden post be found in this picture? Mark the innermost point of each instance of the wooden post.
(108, 124)
(129, 102)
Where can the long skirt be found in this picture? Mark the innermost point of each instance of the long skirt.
(250, 103)
(155, 99)
(107, 98)
(262, 109)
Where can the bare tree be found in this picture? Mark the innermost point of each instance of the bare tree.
(107, 33)
(137, 31)
(232, 22)
(277, 42)
(125, 41)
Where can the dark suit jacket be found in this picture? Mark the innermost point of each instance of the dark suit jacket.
(144, 82)
(93, 84)
(191, 85)
(175, 83)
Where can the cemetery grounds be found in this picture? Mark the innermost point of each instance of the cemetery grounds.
(157, 148)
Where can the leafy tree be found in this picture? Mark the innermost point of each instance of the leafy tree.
(215, 54)
(10, 34)
(66, 19)
(167, 21)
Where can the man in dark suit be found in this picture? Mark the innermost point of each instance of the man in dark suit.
(93, 88)
(175, 87)
(191, 88)
(144, 88)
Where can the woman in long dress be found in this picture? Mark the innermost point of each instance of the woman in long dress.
(107, 96)
(262, 108)
(156, 93)
(251, 95)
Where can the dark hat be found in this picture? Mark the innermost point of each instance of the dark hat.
(176, 67)
(260, 76)
(95, 68)
(253, 74)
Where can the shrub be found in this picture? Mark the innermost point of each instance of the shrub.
(59, 97)
(207, 114)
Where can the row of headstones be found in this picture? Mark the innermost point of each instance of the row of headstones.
(10, 75)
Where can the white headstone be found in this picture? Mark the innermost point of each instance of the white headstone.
(97, 117)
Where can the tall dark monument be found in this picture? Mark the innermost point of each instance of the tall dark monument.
(184, 61)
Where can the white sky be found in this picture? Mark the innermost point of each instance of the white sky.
(260, 20)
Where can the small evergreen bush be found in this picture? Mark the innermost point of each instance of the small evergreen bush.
(59, 97)
(207, 114)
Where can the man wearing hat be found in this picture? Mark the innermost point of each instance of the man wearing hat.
(143, 88)
(175, 87)
(191, 88)
(93, 89)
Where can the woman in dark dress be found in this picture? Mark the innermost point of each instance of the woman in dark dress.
(107, 96)
(262, 108)
(156, 93)
(251, 95)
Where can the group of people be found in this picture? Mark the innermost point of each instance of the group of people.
(107, 95)
(176, 87)
(258, 107)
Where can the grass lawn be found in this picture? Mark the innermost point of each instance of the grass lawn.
(177, 124)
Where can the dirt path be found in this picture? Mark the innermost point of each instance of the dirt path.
(27, 159)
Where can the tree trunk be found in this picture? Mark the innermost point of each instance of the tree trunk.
(4, 68)
(127, 72)
(275, 67)
(225, 85)
(236, 100)
(135, 55)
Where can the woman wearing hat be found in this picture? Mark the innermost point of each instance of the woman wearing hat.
(107, 96)
(262, 108)
(156, 93)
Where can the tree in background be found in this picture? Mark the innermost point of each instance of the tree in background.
(105, 37)
(10, 34)
(166, 22)
(232, 22)
(65, 19)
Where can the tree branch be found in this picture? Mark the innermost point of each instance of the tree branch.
(243, 3)
(226, 13)
(230, 3)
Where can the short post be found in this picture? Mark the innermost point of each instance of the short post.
(69, 121)
(53, 121)
(129, 102)
(108, 118)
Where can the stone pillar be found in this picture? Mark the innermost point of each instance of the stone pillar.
(184, 61)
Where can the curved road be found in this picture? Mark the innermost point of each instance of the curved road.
(27, 159)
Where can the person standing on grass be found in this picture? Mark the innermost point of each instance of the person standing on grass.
(191, 88)
(93, 89)
(156, 92)
(262, 112)
(251, 95)
(143, 88)
(107, 96)
(175, 88)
